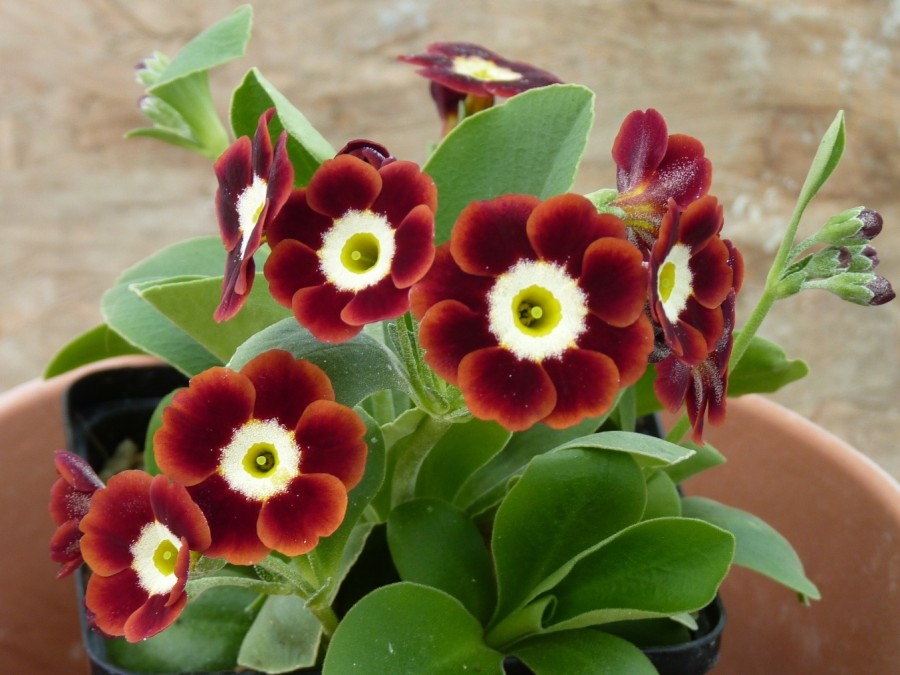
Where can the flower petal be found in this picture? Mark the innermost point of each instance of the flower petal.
(490, 236)
(234, 173)
(414, 254)
(445, 281)
(113, 599)
(232, 522)
(586, 384)
(318, 309)
(173, 507)
(291, 265)
(404, 187)
(285, 386)
(376, 303)
(629, 347)
(311, 507)
(343, 184)
(498, 386)
(615, 280)
(331, 438)
(297, 220)
(561, 229)
(449, 331)
(639, 148)
(200, 421)
(153, 617)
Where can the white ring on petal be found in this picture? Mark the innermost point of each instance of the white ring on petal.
(553, 279)
(255, 433)
(352, 223)
(679, 257)
(150, 578)
(249, 205)
(482, 69)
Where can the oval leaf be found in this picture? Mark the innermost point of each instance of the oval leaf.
(764, 368)
(408, 628)
(582, 652)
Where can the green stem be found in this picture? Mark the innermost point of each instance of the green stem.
(418, 444)
(327, 617)
(303, 587)
(197, 586)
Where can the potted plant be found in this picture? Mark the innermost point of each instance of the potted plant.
(410, 442)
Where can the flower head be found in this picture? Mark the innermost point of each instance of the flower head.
(535, 310)
(691, 274)
(138, 537)
(467, 74)
(254, 183)
(70, 499)
(266, 453)
(654, 167)
(346, 249)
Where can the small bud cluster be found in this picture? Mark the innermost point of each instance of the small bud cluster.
(844, 266)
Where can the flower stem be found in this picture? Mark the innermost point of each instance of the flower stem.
(417, 446)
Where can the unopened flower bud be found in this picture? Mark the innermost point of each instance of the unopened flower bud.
(370, 152)
(860, 288)
(148, 71)
(854, 225)
(881, 291)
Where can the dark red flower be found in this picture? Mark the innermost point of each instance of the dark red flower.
(346, 249)
(690, 277)
(138, 538)
(254, 183)
(266, 453)
(654, 167)
(702, 387)
(466, 74)
(70, 499)
(370, 152)
(535, 310)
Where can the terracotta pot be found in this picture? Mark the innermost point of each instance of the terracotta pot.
(841, 512)
(40, 631)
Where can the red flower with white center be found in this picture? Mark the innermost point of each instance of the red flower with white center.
(535, 310)
(701, 387)
(654, 167)
(70, 499)
(346, 249)
(691, 274)
(465, 73)
(266, 453)
(254, 183)
(138, 538)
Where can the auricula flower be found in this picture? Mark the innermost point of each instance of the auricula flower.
(346, 248)
(254, 183)
(654, 167)
(266, 453)
(138, 537)
(535, 310)
(467, 74)
(690, 277)
(70, 499)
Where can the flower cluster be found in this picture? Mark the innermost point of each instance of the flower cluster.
(455, 353)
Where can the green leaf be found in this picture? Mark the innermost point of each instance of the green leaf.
(758, 546)
(190, 305)
(582, 652)
(648, 450)
(705, 457)
(655, 568)
(764, 368)
(306, 147)
(357, 368)
(285, 636)
(827, 157)
(408, 628)
(532, 144)
(663, 500)
(98, 343)
(224, 41)
(487, 486)
(435, 544)
(206, 637)
(200, 257)
(167, 136)
(463, 450)
(565, 503)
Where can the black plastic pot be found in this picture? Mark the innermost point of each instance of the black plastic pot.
(107, 407)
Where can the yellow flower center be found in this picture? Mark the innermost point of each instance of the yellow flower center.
(481, 69)
(165, 557)
(666, 281)
(537, 312)
(261, 460)
(360, 252)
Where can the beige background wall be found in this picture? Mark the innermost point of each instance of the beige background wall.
(758, 82)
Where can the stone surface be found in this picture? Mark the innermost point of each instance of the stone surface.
(758, 82)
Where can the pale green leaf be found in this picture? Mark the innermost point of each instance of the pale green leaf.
(582, 652)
